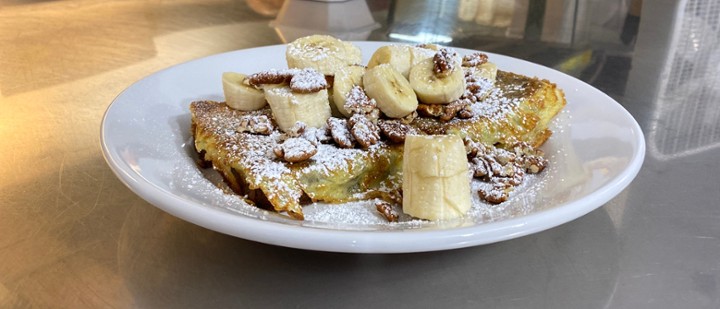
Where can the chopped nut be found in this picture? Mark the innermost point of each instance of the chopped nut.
(340, 133)
(430, 110)
(497, 194)
(503, 169)
(409, 118)
(451, 110)
(295, 149)
(474, 59)
(256, 124)
(446, 112)
(497, 166)
(530, 159)
(373, 115)
(465, 113)
(443, 62)
(365, 132)
(395, 130)
(387, 211)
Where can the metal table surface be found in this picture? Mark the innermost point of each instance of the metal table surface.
(73, 236)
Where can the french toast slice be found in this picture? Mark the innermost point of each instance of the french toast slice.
(518, 109)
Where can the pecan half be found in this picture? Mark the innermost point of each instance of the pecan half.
(385, 209)
(308, 81)
(270, 77)
(394, 130)
(340, 133)
(443, 62)
(365, 132)
(452, 109)
(295, 149)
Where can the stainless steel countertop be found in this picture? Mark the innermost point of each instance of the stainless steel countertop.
(73, 236)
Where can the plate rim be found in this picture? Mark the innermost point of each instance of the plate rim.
(333, 240)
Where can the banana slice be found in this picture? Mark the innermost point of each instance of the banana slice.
(345, 80)
(392, 92)
(419, 54)
(397, 56)
(239, 94)
(323, 53)
(436, 183)
(289, 107)
(487, 70)
(433, 89)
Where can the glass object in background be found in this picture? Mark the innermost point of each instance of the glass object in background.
(678, 43)
(346, 20)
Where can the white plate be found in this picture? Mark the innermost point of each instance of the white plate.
(596, 151)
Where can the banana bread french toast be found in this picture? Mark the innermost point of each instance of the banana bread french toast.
(517, 109)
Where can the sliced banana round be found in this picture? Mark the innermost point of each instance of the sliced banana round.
(323, 53)
(239, 94)
(436, 182)
(433, 89)
(398, 56)
(419, 54)
(289, 107)
(345, 80)
(390, 90)
(487, 70)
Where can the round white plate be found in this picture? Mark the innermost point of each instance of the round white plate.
(595, 152)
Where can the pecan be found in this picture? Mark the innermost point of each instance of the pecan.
(465, 113)
(340, 133)
(308, 81)
(387, 211)
(501, 168)
(317, 135)
(270, 77)
(365, 132)
(256, 124)
(373, 115)
(451, 110)
(474, 59)
(409, 118)
(446, 112)
(430, 110)
(297, 129)
(357, 102)
(295, 149)
(497, 194)
(443, 62)
(395, 130)
(530, 159)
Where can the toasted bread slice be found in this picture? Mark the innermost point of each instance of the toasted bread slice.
(519, 108)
